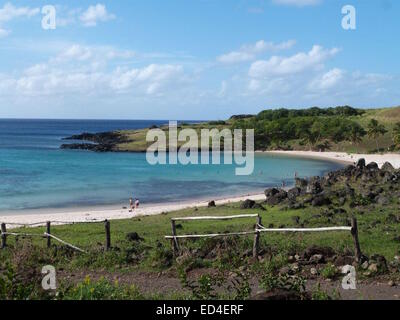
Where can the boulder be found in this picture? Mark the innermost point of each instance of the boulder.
(387, 166)
(360, 164)
(313, 250)
(247, 204)
(211, 204)
(373, 166)
(314, 186)
(293, 193)
(134, 237)
(320, 201)
(301, 183)
(373, 268)
(317, 258)
(344, 260)
(275, 196)
(250, 204)
(379, 261)
(271, 192)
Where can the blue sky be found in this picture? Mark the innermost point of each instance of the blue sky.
(204, 59)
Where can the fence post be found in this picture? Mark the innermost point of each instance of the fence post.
(48, 231)
(175, 245)
(256, 244)
(108, 234)
(3, 235)
(354, 233)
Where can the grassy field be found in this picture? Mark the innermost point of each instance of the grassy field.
(153, 229)
(154, 254)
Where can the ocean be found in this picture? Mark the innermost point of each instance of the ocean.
(35, 173)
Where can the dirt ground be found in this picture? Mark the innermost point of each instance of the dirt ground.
(168, 283)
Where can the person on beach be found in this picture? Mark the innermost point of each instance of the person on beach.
(137, 203)
(131, 204)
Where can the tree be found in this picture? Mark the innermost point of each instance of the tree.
(356, 133)
(310, 138)
(396, 134)
(374, 130)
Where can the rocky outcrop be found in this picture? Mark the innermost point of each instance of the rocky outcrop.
(100, 142)
(275, 196)
(358, 185)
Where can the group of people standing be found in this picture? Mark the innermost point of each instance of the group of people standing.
(133, 204)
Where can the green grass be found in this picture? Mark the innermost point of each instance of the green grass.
(154, 255)
(91, 237)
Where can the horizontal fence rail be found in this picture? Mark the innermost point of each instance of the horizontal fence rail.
(48, 235)
(259, 228)
(240, 216)
(304, 229)
(212, 235)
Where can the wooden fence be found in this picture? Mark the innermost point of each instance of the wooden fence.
(47, 235)
(259, 229)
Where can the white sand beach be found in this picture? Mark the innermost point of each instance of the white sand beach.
(110, 213)
(380, 159)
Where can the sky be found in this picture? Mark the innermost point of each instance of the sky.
(195, 59)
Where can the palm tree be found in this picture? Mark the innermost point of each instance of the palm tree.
(375, 129)
(356, 134)
(310, 138)
(396, 134)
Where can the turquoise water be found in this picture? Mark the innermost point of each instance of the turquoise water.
(35, 173)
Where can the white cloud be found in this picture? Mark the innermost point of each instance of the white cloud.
(4, 33)
(297, 3)
(151, 78)
(328, 79)
(85, 71)
(94, 14)
(250, 52)
(76, 52)
(281, 66)
(9, 12)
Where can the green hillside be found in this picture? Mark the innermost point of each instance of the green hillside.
(344, 129)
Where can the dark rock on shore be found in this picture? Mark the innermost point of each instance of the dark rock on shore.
(212, 204)
(250, 204)
(358, 185)
(101, 142)
(87, 146)
(275, 196)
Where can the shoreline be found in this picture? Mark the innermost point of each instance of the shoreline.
(112, 212)
(342, 157)
(37, 216)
